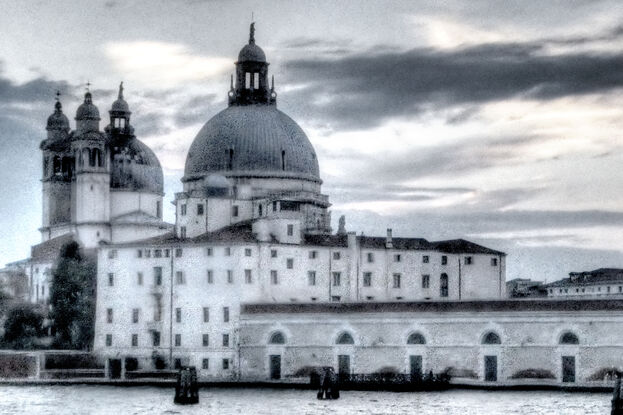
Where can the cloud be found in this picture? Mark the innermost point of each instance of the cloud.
(363, 90)
(161, 64)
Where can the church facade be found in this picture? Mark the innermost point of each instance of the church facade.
(251, 282)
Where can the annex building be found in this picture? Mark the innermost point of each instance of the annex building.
(251, 282)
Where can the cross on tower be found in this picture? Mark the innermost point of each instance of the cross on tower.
(88, 85)
(58, 95)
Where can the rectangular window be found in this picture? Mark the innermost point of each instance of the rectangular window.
(370, 257)
(205, 340)
(444, 260)
(367, 279)
(147, 253)
(494, 262)
(311, 277)
(109, 315)
(225, 364)
(166, 253)
(139, 278)
(135, 340)
(274, 206)
(247, 252)
(178, 315)
(290, 230)
(205, 364)
(468, 260)
(290, 263)
(337, 255)
(396, 279)
(227, 251)
(111, 279)
(335, 298)
(313, 254)
(210, 277)
(178, 340)
(135, 312)
(155, 338)
(112, 253)
(158, 209)
(139, 253)
(425, 259)
(273, 253)
(248, 277)
(425, 281)
(234, 211)
(109, 340)
(179, 278)
(274, 280)
(206, 314)
(397, 258)
(157, 253)
(225, 340)
(230, 276)
(178, 252)
(157, 275)
(183, 232)
(200, 209)
(337, 279)
(225, 314)
(183, 209)
(209, 252)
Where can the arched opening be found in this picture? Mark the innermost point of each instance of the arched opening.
(491, 338)
(56, 164)
(86, 155)
(277, 338)
(569, 338)
(345, 338)
(283, 159)
(443, 285)
(416, 338)
(259, 210)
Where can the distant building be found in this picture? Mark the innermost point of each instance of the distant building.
(600, 282)
(525, 287)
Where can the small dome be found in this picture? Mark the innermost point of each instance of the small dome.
(251, 53)
(120, 105)
(217, 181)
(87, 110)
(135, 167)
(58, 120)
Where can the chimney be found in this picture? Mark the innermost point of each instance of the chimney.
(388, 240)
(351, 239)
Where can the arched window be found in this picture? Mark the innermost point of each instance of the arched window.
(283, 159)
(277, 338)
(230, 164)
(345, 338)
(569, 338)
(86, 155)
(416, 338)
(56, 164)
(443, 285)
(491, 338)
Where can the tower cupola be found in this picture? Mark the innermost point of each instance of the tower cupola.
(120, 114)
(87, 116)
(251, 87)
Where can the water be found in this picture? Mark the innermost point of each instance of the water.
(85, 399)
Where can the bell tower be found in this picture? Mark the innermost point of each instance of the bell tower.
(91, 192)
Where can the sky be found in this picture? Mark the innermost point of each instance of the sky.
(496, 122)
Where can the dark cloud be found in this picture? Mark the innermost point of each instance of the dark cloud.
(198, 109)
(362, 90)
(38, 90)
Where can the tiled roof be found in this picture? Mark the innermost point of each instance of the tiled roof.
(598, 276)
(50, 249)
(242, 232)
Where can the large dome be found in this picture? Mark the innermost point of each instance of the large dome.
(252, 141)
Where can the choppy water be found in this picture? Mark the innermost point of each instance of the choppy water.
(86, 399)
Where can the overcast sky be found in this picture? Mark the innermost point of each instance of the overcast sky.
(497, 122)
